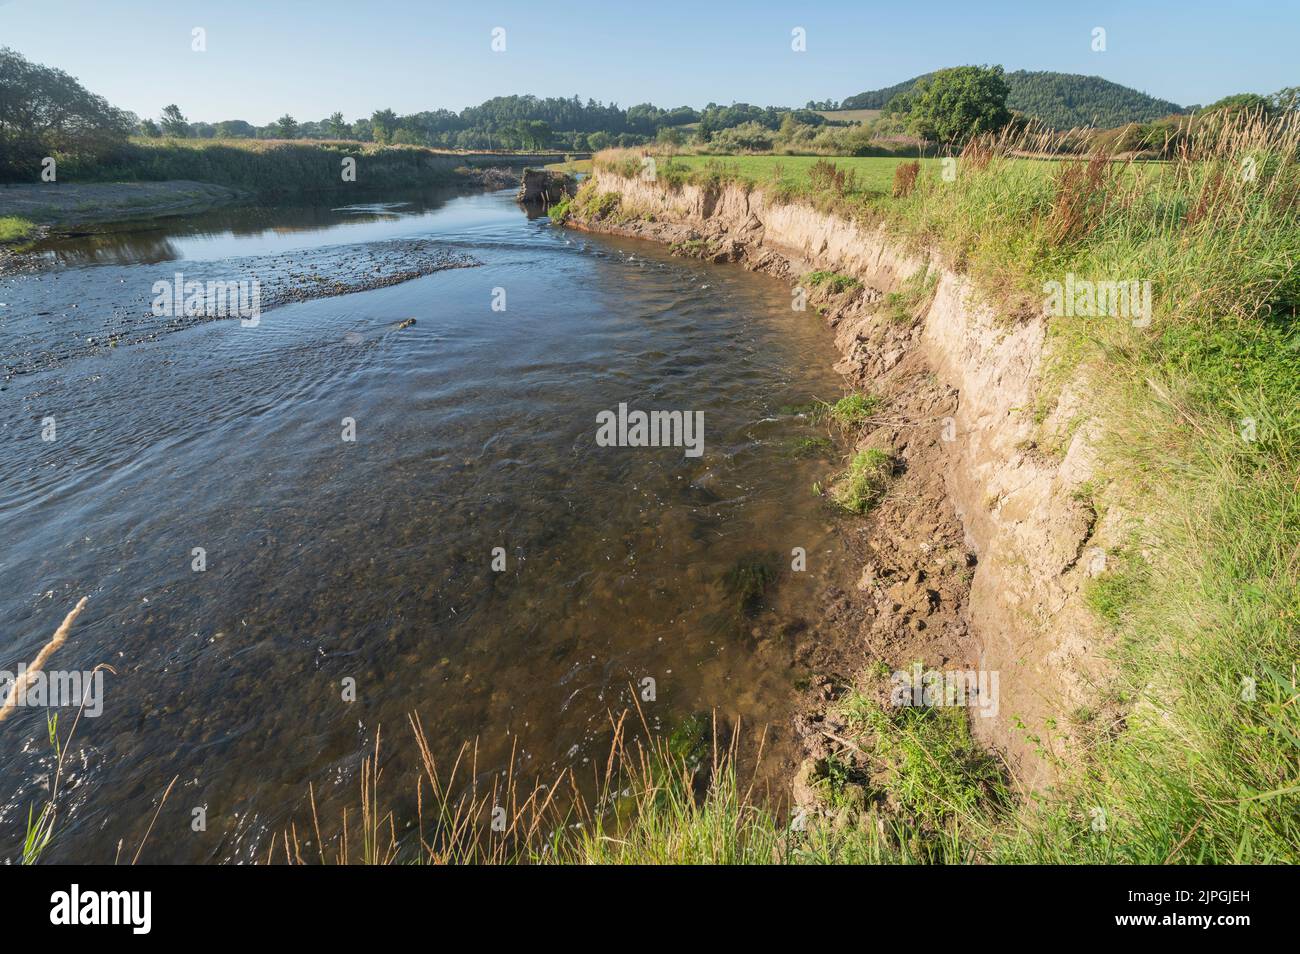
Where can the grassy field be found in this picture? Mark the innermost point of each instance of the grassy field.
(848, 115)
(573, 166)
(1200, 464)
(873, 175)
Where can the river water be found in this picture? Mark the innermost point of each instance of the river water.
(270, 594)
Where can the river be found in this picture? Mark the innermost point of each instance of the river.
(269, 593)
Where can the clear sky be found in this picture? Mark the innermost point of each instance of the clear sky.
(312, 57)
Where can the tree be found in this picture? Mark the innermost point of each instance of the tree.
(150, 129)
(1243, 103)
(382, 124)
(174, 122)
(287, 127)
(44, 111)
(1286, 99)
(955, 104)
(336, 125)
(598, 141)
(671, 136)
(235, 129)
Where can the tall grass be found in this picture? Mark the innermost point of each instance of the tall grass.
(1201, 412)
(680, 800)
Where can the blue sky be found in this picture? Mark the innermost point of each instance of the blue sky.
(311, 57)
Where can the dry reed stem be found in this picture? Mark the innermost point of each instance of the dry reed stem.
(57, 640)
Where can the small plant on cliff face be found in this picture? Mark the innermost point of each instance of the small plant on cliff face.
(834, 282)
(862, 486)
(850, 410)
(904, 305)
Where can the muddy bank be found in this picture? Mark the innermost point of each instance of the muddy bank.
(976, 557)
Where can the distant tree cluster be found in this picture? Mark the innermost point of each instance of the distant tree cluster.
(1286, 99)
(45, 112)
(510, 122)
(504, 122)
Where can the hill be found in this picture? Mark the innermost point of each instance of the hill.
(1060, 100)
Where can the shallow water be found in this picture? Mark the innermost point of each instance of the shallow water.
(372, 560)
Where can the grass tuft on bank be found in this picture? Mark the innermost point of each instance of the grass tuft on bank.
(14, 228)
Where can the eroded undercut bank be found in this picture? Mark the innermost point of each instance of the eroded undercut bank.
(974, 557)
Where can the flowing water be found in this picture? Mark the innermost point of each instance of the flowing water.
(334, 568)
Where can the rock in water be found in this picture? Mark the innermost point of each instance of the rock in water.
(542, 187)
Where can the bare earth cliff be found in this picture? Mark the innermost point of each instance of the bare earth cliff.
(977, 555)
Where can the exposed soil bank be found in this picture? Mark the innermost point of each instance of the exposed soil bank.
(977, 555)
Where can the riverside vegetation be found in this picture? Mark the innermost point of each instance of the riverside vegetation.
(1199, 758)
(1194, 756)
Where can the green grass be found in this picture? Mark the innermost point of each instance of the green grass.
(852, 410)
(859, 488)
(874, 175)
(1191, 770)
(14, 228)
(833, 282)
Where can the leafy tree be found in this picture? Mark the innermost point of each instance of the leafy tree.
(174, 122)
(150, 129)
(955, 104)
(671, 135)
(1286, 99)
(1243, 102)
(338, 128)
(44, 111)
(382, 124)
(287, 127)
(234, 129)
